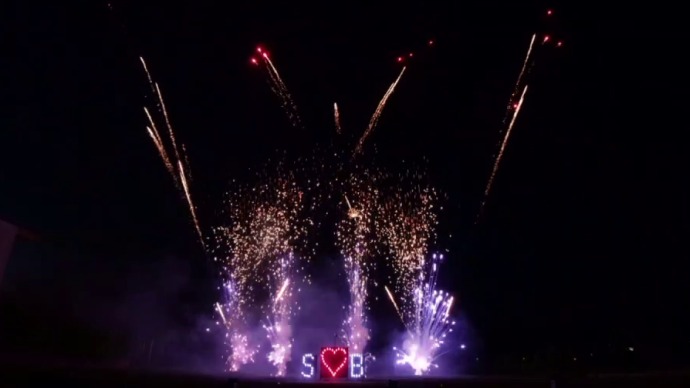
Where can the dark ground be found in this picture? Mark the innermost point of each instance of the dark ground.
(21, 376)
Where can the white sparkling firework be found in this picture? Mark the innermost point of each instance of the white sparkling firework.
(429, 324)
(408, 227)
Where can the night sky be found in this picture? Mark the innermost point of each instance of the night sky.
(582, 238)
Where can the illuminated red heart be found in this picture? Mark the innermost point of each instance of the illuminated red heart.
(334, 359)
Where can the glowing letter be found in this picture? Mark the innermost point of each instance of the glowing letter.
(308, 362)
(356, 365)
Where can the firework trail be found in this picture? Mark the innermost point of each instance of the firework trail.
(336, 116)
(431, 322)
(514, 107)
(395, 305)
(408, 226)
(356, 239)
(176, 168)
(377, 113)
(490, 183)
(527, 62)
(280, 89)
(265, 226)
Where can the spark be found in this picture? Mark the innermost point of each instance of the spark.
(188, 197)
(286, 283)
(497, 163)
(395, 304)
(336, 116)
(219, 308)
(377, 113)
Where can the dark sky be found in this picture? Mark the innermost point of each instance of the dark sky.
(581, 239)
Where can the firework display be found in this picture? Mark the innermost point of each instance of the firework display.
(260, 244)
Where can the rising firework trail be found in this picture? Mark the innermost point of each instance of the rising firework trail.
(497, 163)
(177, 167)
(518, 84)
(356, 239)
(279, 88)
(377, 113)
(513, 108)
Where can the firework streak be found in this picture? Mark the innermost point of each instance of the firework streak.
(336, 117)
(501, 150)
(355, 236)
(514, 108)
(281, 90)
(178, 169)
(266, 225)
(377, 113)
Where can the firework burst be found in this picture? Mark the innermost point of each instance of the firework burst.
(355, 236)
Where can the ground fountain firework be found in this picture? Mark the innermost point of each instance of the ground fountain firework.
(356, 239)
(266, 226)
(280, 312)
(429, 323)
(409, 219)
